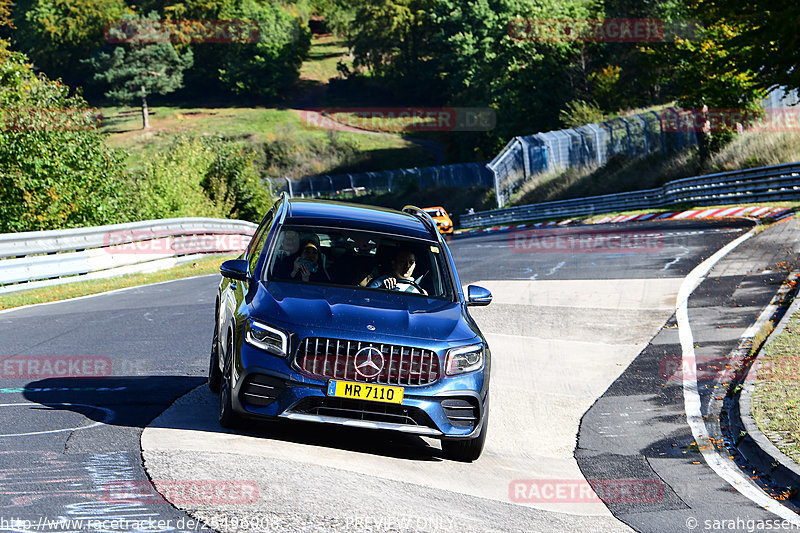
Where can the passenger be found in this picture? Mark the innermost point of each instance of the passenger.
(307, 266)
(290, 244)
(286, 254)
(401, 278)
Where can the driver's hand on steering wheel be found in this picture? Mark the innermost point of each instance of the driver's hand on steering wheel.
(391, 284)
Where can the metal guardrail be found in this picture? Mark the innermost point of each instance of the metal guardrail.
(763, 184)
(44, 258)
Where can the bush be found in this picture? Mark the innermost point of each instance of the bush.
(288, 154)
(200, 177)
(55, 169)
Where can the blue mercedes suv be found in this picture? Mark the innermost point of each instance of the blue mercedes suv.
(352, 315)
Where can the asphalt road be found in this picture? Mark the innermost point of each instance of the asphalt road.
(71, 447)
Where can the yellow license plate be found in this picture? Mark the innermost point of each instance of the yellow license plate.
(365, 391)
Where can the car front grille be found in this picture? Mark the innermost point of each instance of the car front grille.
(336, 359)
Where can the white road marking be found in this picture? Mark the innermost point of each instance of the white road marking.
(678, 257)
(691, 397)
(557, 267)
(109, 416)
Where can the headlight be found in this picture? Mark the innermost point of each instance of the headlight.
(464, 359)
(267, 338)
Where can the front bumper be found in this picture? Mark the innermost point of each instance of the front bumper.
(267, 386)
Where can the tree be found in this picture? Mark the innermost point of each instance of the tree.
(766, 38)
(55, 169)
(271, 63)
(5, 14)
(142, 67)
(58, 34)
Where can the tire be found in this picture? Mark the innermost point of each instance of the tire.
(214, 373)
(467, 451)
(227, 417)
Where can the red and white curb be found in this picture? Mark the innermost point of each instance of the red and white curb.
(763, 213)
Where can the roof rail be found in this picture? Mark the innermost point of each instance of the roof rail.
(424, 217)
(284, 200)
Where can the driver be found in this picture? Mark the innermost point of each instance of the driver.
(400, 279)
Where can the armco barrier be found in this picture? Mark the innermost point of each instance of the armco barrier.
(44, 258)
(763, 184)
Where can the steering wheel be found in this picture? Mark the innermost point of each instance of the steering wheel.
(413, 284)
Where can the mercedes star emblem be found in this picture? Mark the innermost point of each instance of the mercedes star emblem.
(369, 362)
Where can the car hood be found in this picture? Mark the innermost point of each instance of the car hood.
(390, 313)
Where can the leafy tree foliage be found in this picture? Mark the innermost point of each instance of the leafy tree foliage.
(141, 68)
(764, 40)
(200, 177)
(55, 169)
(271, 63)
(5, 13)
(58, 34)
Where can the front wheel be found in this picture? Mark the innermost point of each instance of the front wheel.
(227, 417)
(214, 373)
(468, 450)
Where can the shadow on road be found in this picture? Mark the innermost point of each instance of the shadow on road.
(138, 402)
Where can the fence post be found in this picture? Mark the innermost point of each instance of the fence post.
(644, 133)
(628, 135)
(526, 164)
(497, 197)
(289, 182)
(661, 130)
(611, 150)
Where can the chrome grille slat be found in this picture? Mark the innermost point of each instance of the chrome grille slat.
(336, 363)
(335, 359)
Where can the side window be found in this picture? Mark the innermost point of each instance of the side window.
(257, 244)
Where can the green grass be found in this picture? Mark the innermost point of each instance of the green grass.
(776, 397)
(291, 147)
(309, 150)
(326, 51)
(206, 265)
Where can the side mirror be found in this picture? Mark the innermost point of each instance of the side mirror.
(478, 296)
(235, 269)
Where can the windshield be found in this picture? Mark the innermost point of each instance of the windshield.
(360, 260)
